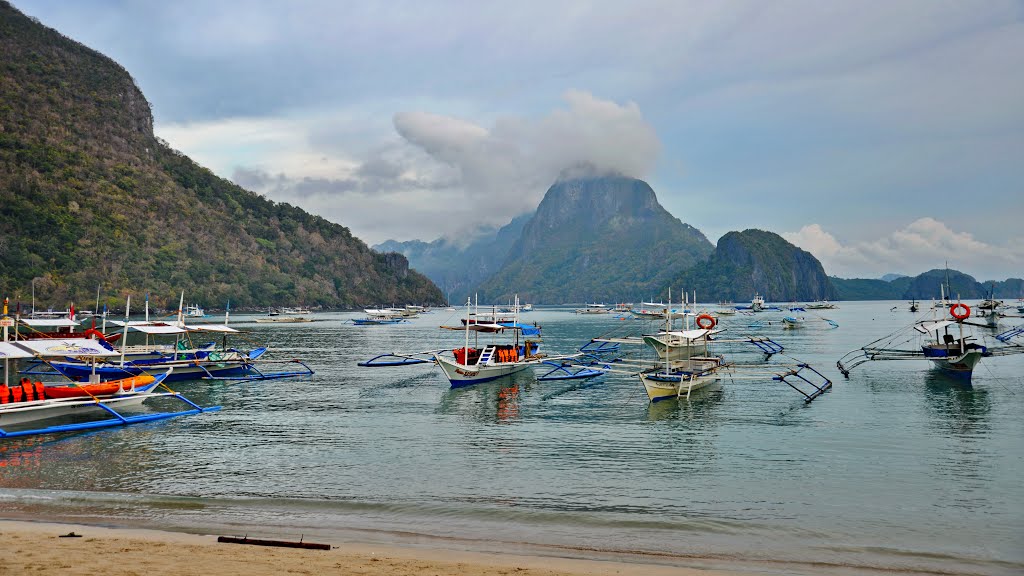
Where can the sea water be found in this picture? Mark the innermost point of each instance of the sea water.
(897, 468)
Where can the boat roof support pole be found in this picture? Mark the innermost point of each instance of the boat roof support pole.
(124, 333)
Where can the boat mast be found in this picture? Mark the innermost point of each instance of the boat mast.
(668, 335)
(515, 320)
(124, 333)
(465, 349)
(6, 361)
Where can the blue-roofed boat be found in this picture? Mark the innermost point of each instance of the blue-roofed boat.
(476, 362)
(27, 402)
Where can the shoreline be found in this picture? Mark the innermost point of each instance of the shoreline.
(130, 550)
(37, 547)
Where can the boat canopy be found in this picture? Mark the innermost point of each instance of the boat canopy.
(165, 328)
(527, 329)
(159, 329)
(692, 334)
(54, 347)
(49, 322)
(132, 323)
(212, 328)
(926, 327)
(476, 327)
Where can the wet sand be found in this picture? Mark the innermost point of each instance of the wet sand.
(36, 548)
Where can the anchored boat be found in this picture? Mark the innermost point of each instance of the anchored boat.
(28, 401)
(483, 362)
(949, 343)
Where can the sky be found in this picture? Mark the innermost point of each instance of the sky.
(880, 136)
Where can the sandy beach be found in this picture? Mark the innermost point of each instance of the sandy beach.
(37, 548)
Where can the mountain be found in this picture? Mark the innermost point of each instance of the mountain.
(891, 277)
(89, 196)
(757, 262)
(456, 269)
(870, 288)
(955, 284)
(925, 286)
(603, 238)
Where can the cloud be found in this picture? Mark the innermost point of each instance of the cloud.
(822, 111)
(922, 245)
(434, 175)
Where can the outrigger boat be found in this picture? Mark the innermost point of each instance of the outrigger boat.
(190, 361)
(793, 322)
(945, 342)
(29, 401)
(376, 316)
(469, 365)
(594, 309)
(686, 364)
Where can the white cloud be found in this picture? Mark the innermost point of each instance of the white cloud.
(922, 245)
(432, 175)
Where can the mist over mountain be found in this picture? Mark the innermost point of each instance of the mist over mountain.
(456, 269)
(89, 196)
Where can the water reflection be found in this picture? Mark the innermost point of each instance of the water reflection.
(959, 407)
(960, 412)
(700, 405)
(497, 401)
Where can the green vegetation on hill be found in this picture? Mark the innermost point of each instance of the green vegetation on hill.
(757, 262)
(870, 288)
(925, 286)
(596, 239)
(89, 196)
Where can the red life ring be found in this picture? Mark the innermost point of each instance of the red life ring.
(709, 318)
(953, 311)
(95, 333)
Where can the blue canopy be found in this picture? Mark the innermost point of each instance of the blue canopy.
(528, 329)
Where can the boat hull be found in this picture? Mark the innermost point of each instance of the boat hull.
(660, 386)
(460, 375)
(108, 388)
(959, 366)
(183, 370)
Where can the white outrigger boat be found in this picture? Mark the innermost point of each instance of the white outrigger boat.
(594, 309)
(469, 365)
(189, 360)
(947, 342)
(686, 364)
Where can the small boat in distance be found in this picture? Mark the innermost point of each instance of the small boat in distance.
(194, 311)
(594, 309)
(757, 303)
(792, 322)
(283, 319)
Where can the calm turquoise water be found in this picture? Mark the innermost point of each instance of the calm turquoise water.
(896, 468)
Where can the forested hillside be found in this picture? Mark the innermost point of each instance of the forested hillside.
(89, 196)
(602, 238)
(757, 262)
